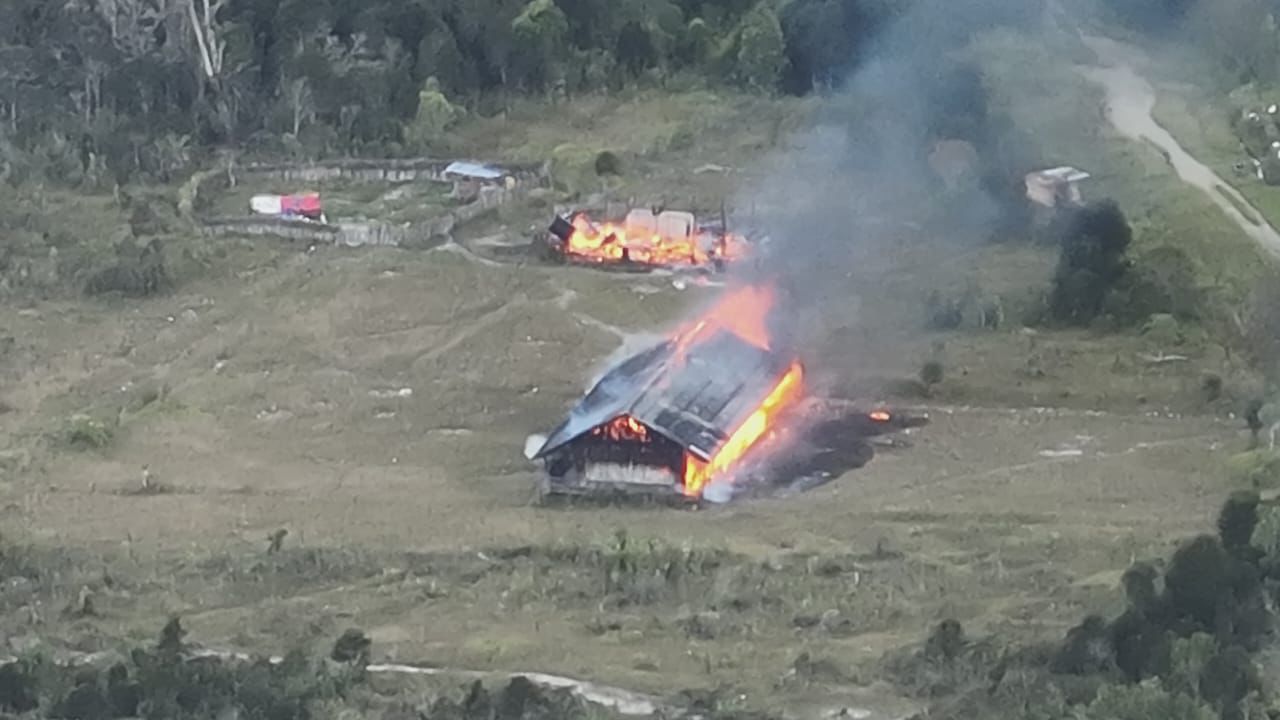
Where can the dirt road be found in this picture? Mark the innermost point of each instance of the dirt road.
(1130, 99)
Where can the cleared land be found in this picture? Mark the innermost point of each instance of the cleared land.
(272, 396)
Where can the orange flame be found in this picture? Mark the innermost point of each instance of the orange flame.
(623, 427)
(611, 242)
(880, 416)
(697, 473)
(743, 312)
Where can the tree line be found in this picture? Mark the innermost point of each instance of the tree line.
(112, 87)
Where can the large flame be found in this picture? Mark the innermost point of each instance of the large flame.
(613, 242)
(698, 473)
(745, 313)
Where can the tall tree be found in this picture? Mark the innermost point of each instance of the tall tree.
(761, 50)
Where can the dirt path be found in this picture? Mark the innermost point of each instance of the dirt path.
(1130, 100)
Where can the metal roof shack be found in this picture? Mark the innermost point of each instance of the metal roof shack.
(1056, 186)
(640, 423)
(462, 170)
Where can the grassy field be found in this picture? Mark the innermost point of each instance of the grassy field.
(1197, 115)
(375, 404)
(1067, 113)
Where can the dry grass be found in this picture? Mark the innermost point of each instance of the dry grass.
(408, 513)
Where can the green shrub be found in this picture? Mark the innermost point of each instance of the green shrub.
(608, 163)
(1256, 469)
(1145, 701)
(1238, 519)
(931, 373)
(83, 432)
(573, 168)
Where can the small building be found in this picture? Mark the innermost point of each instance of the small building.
(651, 415)
(469, 178)
(1056, 187)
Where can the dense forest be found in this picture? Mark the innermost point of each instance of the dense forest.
(104, 89)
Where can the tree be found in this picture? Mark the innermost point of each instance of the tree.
(439, 57)
(635, 48)
(1093, 242)
(761, 55)
(435, 115)
(931, 373)
(301, 103)
(1197, 576)
(540, 33)
(1240, 35)
(1238, 519)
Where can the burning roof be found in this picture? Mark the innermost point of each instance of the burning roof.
(716, 401)
(697, 399)
(691, 406)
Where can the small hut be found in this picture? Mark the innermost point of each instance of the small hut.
(1056, 187)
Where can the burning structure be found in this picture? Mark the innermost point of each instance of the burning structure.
(644, 240)
(714, 403)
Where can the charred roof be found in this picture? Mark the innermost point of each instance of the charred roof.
(696, 398)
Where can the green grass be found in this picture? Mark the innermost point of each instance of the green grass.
(1195, 113)
(1063, 113)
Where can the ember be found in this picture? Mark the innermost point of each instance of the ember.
(670, 239)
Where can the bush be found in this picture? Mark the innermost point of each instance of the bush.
(138, 272)
(1093, 242)
(1266, 534)
(1197, 576)
(1256, 469)
(1238, 519)
(607, 163)
(942, 314)
(1211, 386)
(86, 433)
(435, 115)
(573, 168)
(931, 373)
(1145, 701)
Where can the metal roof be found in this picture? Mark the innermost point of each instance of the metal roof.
(474, 170)
(696, 400)
(1065, 173)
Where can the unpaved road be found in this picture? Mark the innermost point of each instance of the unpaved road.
(1130, 100)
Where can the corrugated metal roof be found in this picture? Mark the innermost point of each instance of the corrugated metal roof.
(475, 170)
(695, 400)
(1064, 173)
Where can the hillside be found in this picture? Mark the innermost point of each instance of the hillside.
(173, 398)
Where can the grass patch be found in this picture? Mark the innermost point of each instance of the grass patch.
(83, 432)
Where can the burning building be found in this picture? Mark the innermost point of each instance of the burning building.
(701, 407)
(644, 240)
